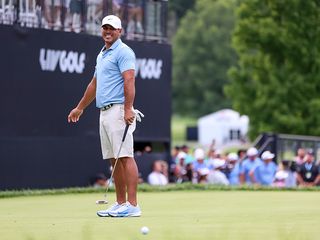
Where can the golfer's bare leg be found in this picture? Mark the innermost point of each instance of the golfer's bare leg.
(131, 173)
(119, 181)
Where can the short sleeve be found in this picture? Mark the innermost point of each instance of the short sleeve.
(95, 72)
(127, 60)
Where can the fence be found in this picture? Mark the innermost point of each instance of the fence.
(141, 19)
(285, 146)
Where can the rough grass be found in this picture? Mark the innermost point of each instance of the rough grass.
(193, 214)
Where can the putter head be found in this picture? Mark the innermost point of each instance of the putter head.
(102, 202)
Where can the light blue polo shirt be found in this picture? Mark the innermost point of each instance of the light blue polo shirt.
(111, 63)
(264, 173)
(247, 166)
(234, 175)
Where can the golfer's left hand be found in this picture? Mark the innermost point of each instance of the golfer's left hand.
(129, 116)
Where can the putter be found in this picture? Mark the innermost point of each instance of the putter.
(105, 201)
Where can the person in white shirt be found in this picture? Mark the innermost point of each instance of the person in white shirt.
(157, 177)
(216, 176)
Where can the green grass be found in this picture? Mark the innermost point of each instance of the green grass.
(169, 215)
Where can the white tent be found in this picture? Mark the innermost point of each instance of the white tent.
(224, 127)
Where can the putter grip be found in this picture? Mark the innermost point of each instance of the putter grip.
(125, 132)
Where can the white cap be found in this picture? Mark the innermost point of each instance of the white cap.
(267, 155)
(199, 153)
(204, 171)
(252, 152)
(182, 155)
(218, 163)
(112, 20)
(233, 157)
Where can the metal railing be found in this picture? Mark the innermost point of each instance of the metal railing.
(141, 19)
(285, 146)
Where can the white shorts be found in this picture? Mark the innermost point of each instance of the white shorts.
(112, 127)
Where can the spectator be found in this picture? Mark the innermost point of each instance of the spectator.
(285, 176)
(147, 149)
(241, 155)
(199, 164)
(164, 168)
(248, 165)
(216, 176)
(187, 177)
(173, 163)
(135, 17)
(300, 156)
(179, 169)
(75, 13)
(233, 169)
(189, 158)
(174, 156)
(202, 175)
(211, 154)
(264, 173)
(99, 180)
(157, 176)
(94, 15)
(215, 155)
(174, 153)
(54, 13)
(308, 172)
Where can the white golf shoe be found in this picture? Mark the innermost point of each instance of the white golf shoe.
(126, 210)
(105, 213)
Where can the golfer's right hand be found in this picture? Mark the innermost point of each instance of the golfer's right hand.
(74, 115)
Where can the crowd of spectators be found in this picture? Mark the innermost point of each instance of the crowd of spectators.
(85, 15)
(243, 167)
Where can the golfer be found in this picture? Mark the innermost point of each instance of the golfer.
(113, 87)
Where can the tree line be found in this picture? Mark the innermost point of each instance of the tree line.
(259, 57)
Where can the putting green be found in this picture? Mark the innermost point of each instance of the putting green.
(169, 215)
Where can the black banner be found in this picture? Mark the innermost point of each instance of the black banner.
(43, 76)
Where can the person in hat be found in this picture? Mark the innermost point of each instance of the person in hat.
(180, 168)
(250, 163)
(285, 176)
(113, 87)
(216, 176)
(233, 169)
(264, 173)
(200, 167)
(308, 172)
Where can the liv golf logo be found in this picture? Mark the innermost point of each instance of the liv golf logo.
(72, 62)
(149, 68)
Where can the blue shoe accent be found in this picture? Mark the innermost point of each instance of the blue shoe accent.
(126, 210)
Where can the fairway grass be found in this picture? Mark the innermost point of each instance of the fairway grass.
(173, 215)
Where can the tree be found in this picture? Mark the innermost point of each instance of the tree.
(276, 81)
(202, 54)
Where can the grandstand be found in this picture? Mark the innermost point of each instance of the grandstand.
(142, 19)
